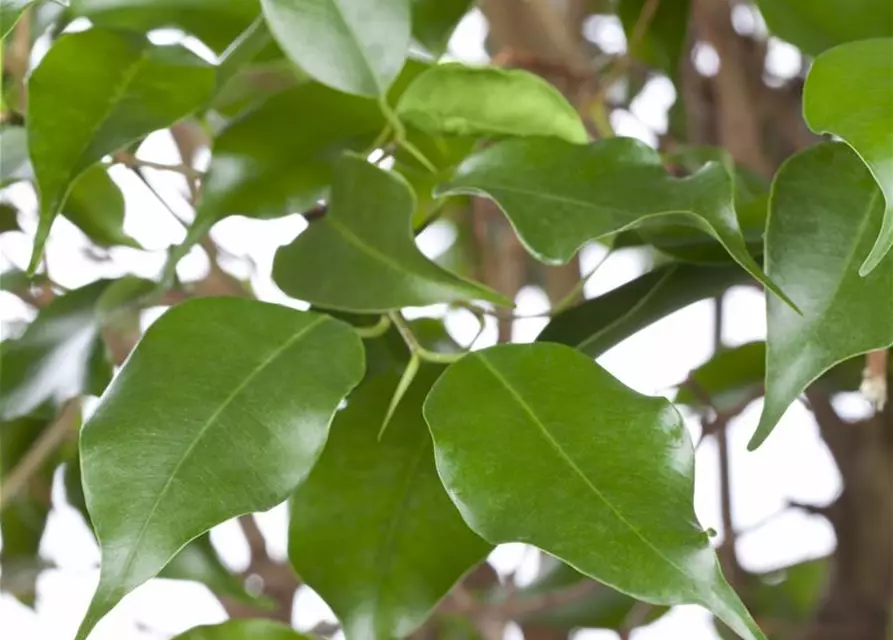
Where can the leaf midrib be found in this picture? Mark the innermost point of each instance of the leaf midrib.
(528, 410)
(357, 45)
(273, 355)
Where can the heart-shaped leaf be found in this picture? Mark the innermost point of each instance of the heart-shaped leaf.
(361, 255)
(600, 323)
(455, 99)
(96, 207)
(816, 25)
(825, 213)
(243, 630)
(559, 196)
(609, 474)
(59, 356)
(849, 93)
(354, 46)
(238, 442)
(81, 103)
(381, 504)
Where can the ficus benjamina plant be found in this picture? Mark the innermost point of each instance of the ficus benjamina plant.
(404, 456)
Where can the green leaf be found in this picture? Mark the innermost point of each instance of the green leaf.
(824, 215)
(816, 25)
(9, 218)
(243, 630)
(361, 254)
(730, 378)
(558, 196)
(401, 543)
(609, 473)
(663, 40)
(600, 323)
(60, 355)
(458, 100)
(354, 46)
(848, 93)
(81, 106)
(213, 442)
(433, 21)
(96, 207)
(10, 12)
(14, 163)
(213, 22)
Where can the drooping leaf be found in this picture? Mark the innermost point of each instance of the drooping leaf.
(243, 630)
(729, 379)
(459, 100)
(14, 163)
(81, 106)
(433, 21)
(598, 324)
(817, 25)
(361, 255)
(354, 46)
(213, 442)
(559, 196)
(213, 22)
(849, 93)
(59, 356)
(96, 207)
(609, 474)
(661, 36)
(825, 212)
(401, 543)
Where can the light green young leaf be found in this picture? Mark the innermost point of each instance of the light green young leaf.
(243, 630)
(456, 99)
(96, 206)
(355, 46)
(825, 213)
(361, 255)
(381, 504)
(609, 474)
(212, 442)
(817, 25)
(81, 107)
(558, 196)
(849, 92)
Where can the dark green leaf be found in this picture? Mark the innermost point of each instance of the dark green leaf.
(14, 163)
(729, 379)
(381, 504)
(600, 323)
(82, 105)
(455, 99)
(433, 21)
(558, 196)
(9, 218)
(59, 356)
(661, 36)
(849, 93)
(609, 473)
(825, 212)
(243, 630)
(354, 46)
(212, 442)
(96, 206)
(361, 255)
(816, 25)
(214, 22)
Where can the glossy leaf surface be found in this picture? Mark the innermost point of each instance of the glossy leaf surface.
(81, 105)
(459, 100)
(243, 630)
(433, 21)
(238, 442)
(401, 543)
(58, 357)
(598, 324)
(608, 473)
(559, 196)
(817, 25)
(849, 93)
(825, 213)
(96, 207)
(361, 255)
(354, 46)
